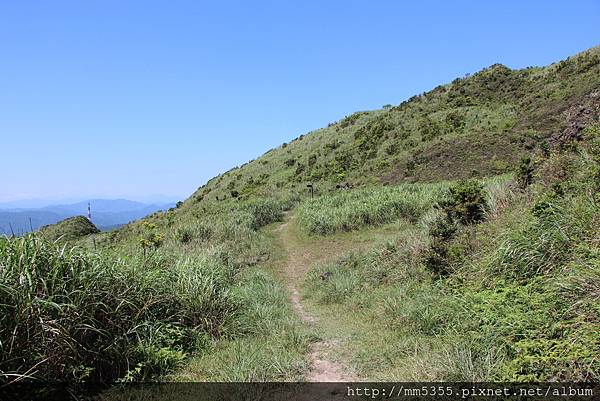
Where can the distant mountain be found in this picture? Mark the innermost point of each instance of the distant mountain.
(99, 205)
(107, 214)
(39, 203)
(33, 203)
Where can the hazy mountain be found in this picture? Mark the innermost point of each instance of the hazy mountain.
(106, 214)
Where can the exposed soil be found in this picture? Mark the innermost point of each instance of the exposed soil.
(299, 259)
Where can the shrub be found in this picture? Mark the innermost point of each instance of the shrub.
(455, 120)
(429, 129)
(183, 235)
(525, 172)
(441, 232)
(150, 239)
(391, 149)
(466, 203)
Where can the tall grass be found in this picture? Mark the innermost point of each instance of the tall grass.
(348, 211)
(265, 342)
(228, 222)
(70, 315)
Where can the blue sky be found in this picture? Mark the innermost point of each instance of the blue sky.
(134, 98)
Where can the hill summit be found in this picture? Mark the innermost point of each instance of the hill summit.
(476, 126)
(69, 229)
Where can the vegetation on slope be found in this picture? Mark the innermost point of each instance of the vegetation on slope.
(476, 126)
(270, 342)
(145, 300)
(351, 210)
(71, 315)
(513, 296)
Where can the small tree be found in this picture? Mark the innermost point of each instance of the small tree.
(441, 231)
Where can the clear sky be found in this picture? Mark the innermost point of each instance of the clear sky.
(132, 98)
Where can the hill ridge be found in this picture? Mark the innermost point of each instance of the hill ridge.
(477, 125)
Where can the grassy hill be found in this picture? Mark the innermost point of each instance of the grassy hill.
(475, 126)
(69, 229)
(463, 244)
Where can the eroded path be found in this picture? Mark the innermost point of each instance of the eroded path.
(301, 253)
(300, 257)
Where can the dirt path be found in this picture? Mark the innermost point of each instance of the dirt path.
(300, 257)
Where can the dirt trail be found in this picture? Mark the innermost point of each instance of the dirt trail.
(300, 257)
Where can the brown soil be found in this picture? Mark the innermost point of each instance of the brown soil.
(300, 257)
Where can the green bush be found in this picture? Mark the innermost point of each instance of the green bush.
(442, 231)
(466, 202)
(464, 205)
(184, 235)
(525, 173)
(150, 239)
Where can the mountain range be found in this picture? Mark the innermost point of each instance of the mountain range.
(107, 214)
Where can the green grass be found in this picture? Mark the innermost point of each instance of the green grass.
(521, 300)
(351, 210)
(375, 206)
(155, 293)
(268, 342)
(70, 315)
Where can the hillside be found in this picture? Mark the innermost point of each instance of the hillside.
(462, 246)
(539, 124)
(475, 126)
